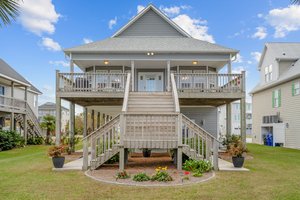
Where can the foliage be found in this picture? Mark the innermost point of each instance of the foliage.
(48, 123)
(113, 159)
(10, 140)
(230, 139)
(295, 2)
(122, 175)
(197, 174)
(69, 143)
(56, 151)
(140, 177)
(197, 166)
(237, 148)
(9, 9)
(35, 140)
(161, 175)
(78, 125)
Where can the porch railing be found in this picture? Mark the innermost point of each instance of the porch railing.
(12, 104)
(91, 82)
(209, 83)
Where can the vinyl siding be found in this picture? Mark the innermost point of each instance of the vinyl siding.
(208, 114)
(150, 24)
(289, 113)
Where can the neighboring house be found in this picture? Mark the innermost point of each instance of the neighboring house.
(276, 99)
(49, 108)
(236, 119)
(159, 87)
(18, 102)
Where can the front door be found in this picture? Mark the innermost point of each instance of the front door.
(150, 81)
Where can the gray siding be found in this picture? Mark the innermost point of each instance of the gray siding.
(209, 116)
(150, 24)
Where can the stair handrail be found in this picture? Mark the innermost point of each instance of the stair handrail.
(33, 118)
(102, 127)
(126, 93)
(175, 93)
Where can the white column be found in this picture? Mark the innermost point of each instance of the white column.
(58, 120)
(132, 76)
(85, 142)
(12, 118)
(72, 126)
(228, 119)
(25, 116)
(243, 119)
(168, 75)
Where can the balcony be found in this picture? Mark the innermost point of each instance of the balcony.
(8, 104)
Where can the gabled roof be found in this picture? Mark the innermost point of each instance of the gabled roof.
(50, 106)
(9, 73)
(142, 13)
(292, 73)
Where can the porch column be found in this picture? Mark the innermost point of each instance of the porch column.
(25, 116)
(132, 76)
(85, 142)
(122, 150)
(228, 119)
(168, 75)
(58, 121)
(12, 117)
(93, 119)
(229, 65)
(179, 149)
(98, 120)
(103, 119)
(243, 119)
(72, 126)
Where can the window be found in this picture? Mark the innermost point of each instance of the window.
(296, 88)
(2, 90)
(268, 73)
(34, 100)
(276, 98)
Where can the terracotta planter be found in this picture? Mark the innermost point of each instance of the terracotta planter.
(238, 161)
(58, 162)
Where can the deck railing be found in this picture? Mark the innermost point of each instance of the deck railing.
(209, 83)
(12, 104)
(91, 82)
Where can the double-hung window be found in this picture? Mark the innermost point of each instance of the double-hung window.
(276, 98)
(2, 90)
(296, 88)
(268, 73)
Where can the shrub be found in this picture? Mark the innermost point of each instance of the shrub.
(113, 159)
(56, 151)
(10, 140)
(237, 148)
(140, 177)
(230, 139)
(161, 175)
(122, 175)
(197, 166)
(35, 140)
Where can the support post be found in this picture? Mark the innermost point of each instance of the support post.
(12, 117)
(229, 65)
(179, 149)
(98, 120)
(58, 121)
(132, 76)
(122, 159)
(93, 119)
(85, 142)
(72, 127)
(215, 154)
(228, 119)
(122, 153)
(168, 75)
(243, 119)
(25, 116)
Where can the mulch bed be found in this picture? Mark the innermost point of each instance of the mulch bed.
(137, 163)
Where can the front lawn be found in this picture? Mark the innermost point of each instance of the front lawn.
(26, 174)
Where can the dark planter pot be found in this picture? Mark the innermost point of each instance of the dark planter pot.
(58, 162)
(146, 153)
(238, 161)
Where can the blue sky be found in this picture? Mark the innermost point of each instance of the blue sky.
(33, 44)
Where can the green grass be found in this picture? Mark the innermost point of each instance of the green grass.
(26, 174)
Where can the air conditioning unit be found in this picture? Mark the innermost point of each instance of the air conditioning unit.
(270, 119)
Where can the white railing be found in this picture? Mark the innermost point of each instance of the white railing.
(34, 120)
(209, 83)
(126, 93)
(91, 82)
(12, 104)
(175, 94)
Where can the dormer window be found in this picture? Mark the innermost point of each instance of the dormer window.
(268, 73)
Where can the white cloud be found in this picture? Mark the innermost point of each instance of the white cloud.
(256, 55)
(50, 44)
(173, 10)
(38, 16)
(112, 22)
(140, 8)
(261, 33)
(59, 63)
(284, 20)
(239, 59)
(260, 15)
(239, 69)
(195, 27)
(87, 40)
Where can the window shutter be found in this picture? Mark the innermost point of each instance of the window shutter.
(293, 89)
(279, 98)
(273, 99)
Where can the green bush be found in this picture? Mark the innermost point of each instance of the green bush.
(140, 177)
(35, 140)
(10, 140)
(197, 166)
(161, 175)
(226, 141)
(113, 159)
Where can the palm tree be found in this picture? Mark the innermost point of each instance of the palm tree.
(48, 123)
(9, 10)
(295, 2)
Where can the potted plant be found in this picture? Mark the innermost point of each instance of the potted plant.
(56, 153)
(146, 153)
(236, 150)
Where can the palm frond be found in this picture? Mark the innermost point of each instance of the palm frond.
(295, 2)
(9, 10)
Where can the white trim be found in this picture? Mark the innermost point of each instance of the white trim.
(157, 11)
(14, 80)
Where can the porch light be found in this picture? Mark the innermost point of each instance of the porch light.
(195, 62)
(106, 62)
(150, 54)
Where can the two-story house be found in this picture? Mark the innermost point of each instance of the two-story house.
(276, 99)
(161, 86)
(18, 102)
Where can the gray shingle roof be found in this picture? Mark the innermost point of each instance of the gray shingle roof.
(156, 44)
(8, 72)
(50, 105)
